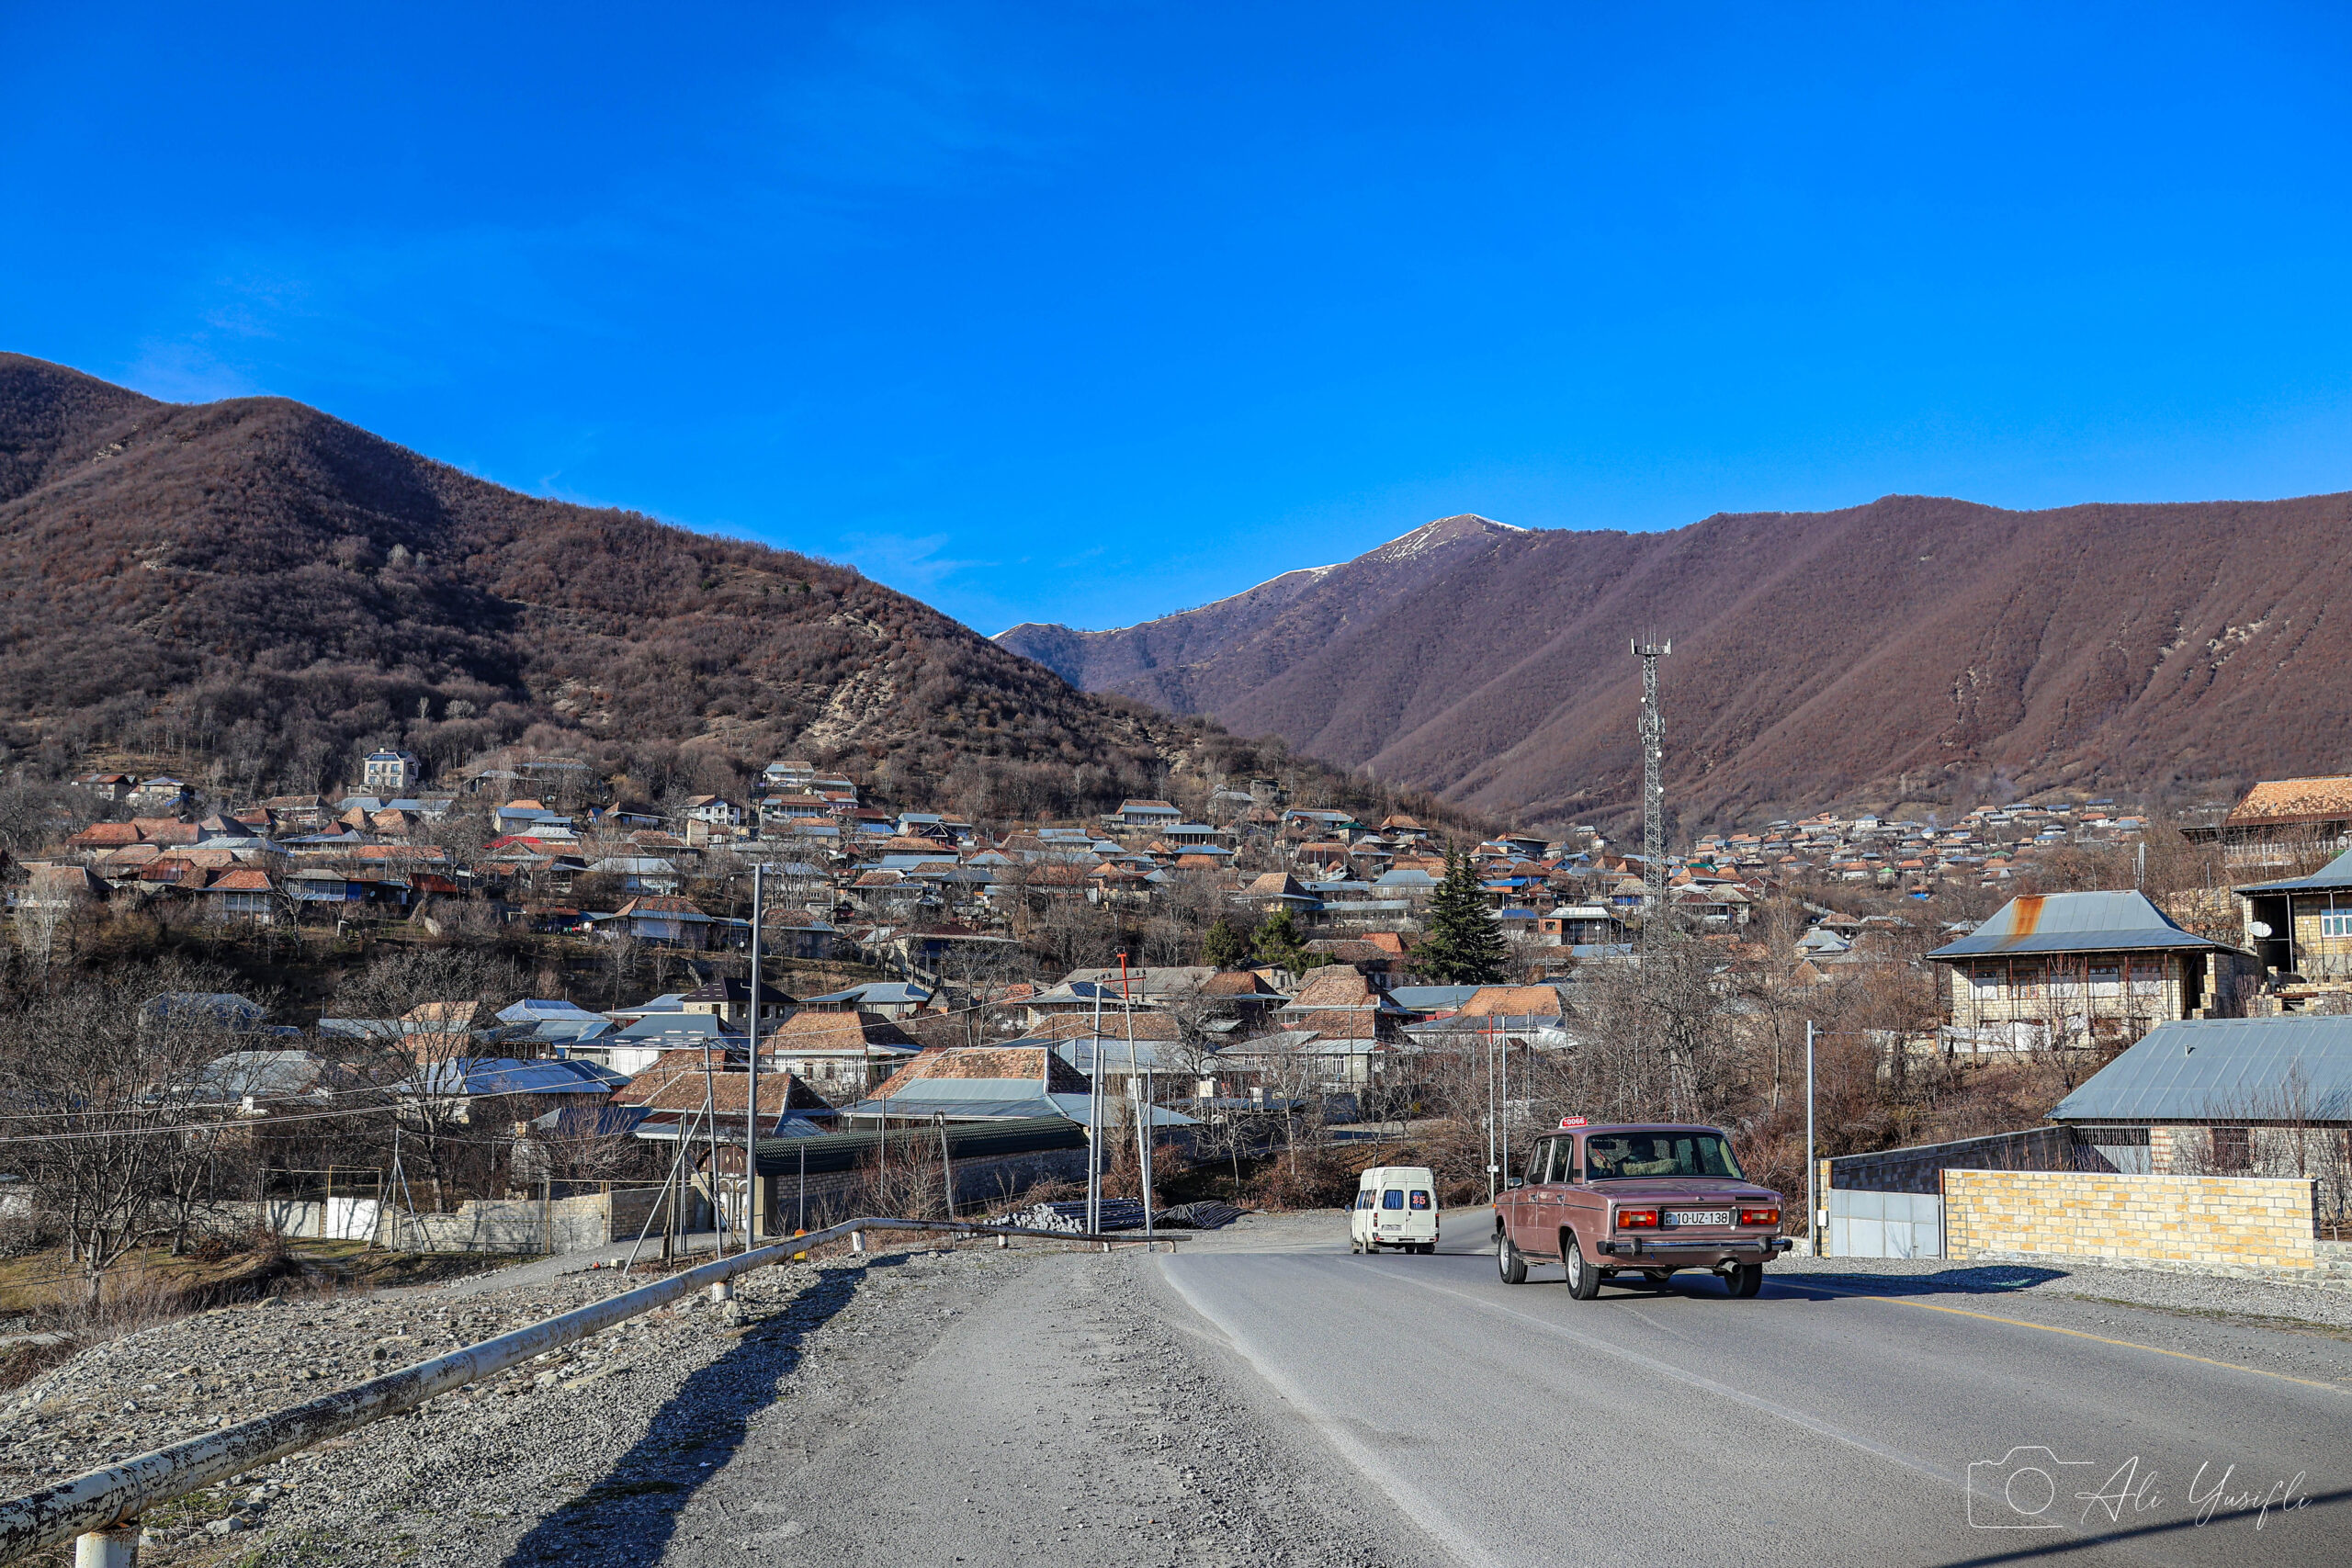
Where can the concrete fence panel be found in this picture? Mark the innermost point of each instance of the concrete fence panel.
(2256, 1223)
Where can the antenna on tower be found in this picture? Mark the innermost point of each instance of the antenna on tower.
(1649, 651)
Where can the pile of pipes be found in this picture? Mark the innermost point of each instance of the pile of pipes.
(1118, 1214)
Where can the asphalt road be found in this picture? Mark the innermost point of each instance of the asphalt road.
(1834, 1419)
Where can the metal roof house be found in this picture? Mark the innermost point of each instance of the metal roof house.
(460, 1081)
(892, 999)
(2252, 1096)
(2076, 966)
(2303, 926)
(1018, 1082)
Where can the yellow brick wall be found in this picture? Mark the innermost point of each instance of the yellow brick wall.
(2320, 957)
(2160, 997)
(2196, 1220)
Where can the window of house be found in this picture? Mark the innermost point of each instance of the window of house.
(2233, 1148)
(1986, 976)
(2106, 979)
(2336, 922)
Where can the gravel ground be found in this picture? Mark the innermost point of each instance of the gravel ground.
(816, 1418)
(2158, 1290)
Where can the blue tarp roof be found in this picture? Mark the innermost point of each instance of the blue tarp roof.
(505, 1075)
(877, 992)
(530, 1009)
(2225, 1069)
(2073, 922)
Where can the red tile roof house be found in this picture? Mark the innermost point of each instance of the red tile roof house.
(1339, 1002)
(101, 836)
(839, 1055)
(673, 1090)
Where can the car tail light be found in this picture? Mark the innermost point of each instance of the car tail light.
(1759, 1216)
(1636, 1219)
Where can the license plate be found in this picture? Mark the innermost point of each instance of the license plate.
(1697, 1217)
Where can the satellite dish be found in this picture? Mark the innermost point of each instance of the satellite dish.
(2258, 928)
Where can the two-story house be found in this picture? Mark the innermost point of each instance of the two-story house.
(2063, 969)
(389, 773)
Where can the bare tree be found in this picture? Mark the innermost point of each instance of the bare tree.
(90, 1071)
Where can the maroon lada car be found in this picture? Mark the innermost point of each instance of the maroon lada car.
(1643, 1199)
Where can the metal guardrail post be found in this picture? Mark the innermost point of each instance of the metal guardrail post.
(100, 1511)
(117, 1548)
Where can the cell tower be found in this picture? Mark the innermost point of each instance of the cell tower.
(1653, 779)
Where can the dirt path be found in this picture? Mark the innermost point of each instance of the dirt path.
(975, 1405)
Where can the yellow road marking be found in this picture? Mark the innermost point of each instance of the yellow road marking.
(2053, 1328)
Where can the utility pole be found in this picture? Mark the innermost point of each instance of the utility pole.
(1811, 1197)
(1653, 781)
(752, 1116)
(710, 1109)
(1493, 1111)
(1094, 1120)
(1142, 1105)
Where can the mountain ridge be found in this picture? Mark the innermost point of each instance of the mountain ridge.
(1150, 660)
(1914, 649)
(258, 590)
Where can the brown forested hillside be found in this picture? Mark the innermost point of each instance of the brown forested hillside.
(263, 589)
(1914, 649)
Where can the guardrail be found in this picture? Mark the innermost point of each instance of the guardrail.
(100, 1511)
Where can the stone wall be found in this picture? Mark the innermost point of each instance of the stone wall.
(511, 1224)
(2256, 1223)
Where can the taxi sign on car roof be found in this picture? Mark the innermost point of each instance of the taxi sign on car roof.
(1572, 1121)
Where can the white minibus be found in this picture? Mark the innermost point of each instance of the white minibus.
(1395, 1206)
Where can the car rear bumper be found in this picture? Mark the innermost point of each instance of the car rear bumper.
(1696, 1249)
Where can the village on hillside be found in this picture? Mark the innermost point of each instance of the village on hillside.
(1240, 972)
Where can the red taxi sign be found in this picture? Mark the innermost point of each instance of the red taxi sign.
(1572, 1121)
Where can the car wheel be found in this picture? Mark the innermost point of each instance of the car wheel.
(1746, 1281)
(1507, 1258)
(1584, 1280)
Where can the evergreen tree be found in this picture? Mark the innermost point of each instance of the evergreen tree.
(1226, 945)
(1279, 943)
(1464, 947)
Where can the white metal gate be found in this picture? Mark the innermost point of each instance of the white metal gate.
(1885, 1224)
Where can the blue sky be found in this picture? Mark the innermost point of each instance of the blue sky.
(1092, 312)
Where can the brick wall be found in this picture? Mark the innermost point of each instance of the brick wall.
(2187, 1221)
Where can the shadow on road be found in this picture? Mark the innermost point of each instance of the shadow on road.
(2001, 1280)
(629, 1515)
(2044, 1549)
(1813, 1284)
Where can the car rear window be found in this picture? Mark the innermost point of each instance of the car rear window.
(1619, 1156)
(1420, 1199)
(1393, 1199)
